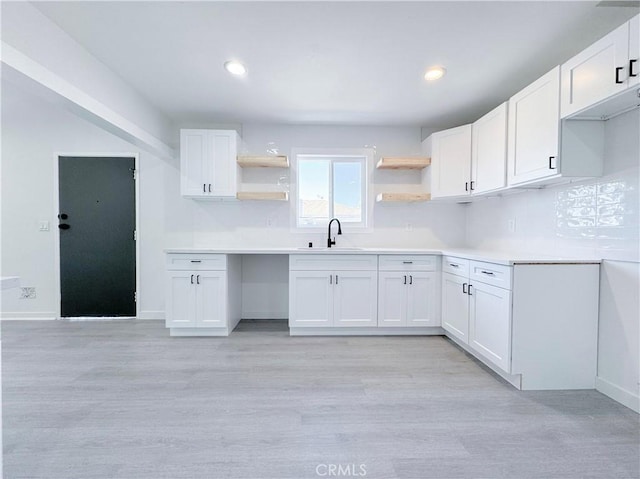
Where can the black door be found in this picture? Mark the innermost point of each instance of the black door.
(97, 221)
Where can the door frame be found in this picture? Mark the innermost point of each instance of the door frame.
(54, 222)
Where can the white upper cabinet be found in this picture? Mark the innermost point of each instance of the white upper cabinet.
(489, 151)
(533, 132)
(208, 167)
(450, 162)
(607, 67)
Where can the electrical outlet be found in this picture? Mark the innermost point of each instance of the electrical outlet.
(28, 293)
(511, 225)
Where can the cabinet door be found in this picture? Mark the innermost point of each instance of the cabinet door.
(392, 299)
(355, 300)
(590, 76)
(211, 299)
(181, 299)
(422, 299)
(490, 323)
(534, 122)
(223, 173)
(634, 51)
(489, 151)
(451, 162)
(194, 172)
(310, 299)
(455, 306)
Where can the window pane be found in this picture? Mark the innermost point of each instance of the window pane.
(313, 191)
(347, 191)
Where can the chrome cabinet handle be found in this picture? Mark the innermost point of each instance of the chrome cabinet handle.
(191, 279)
(410, 279)
(407, 262)
(631, 62)
(618, 70)
(209, 187)
(330, 279)
(454, 265)
(198, 279)
(204, 187)
(196, 261)
(464, 288)
(336, 279)
(551, 167)
(405, 279)
(488, 272)
(469, 293)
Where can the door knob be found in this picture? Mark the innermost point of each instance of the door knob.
(63, 216)
(64, 226)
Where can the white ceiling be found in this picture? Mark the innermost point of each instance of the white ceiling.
(332, 62)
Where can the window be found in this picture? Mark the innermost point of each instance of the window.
(331, 186)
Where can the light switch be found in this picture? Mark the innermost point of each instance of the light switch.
(44, 226)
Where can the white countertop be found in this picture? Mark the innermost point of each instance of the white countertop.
(496, 257)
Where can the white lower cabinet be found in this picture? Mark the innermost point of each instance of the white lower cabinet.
(344, 295)
(196, 299)
(203, 294)
(490, 323)
(408, 292)
(535, 324)
(455, 306)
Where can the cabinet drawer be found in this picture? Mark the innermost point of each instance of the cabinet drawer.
(333, 262)
(407, 263)
(196, 262)
(453, 265)
(489, 273)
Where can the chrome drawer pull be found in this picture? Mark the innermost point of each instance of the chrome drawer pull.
(454, 265)
(488, 272)
(407, 262)
(196, 261)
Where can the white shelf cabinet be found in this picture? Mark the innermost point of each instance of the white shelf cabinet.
(208, 166)
(332, 291)
(489, 151)
(408, 291)
(450, 152)
(604, 69)
(199, 298)
(507, 315)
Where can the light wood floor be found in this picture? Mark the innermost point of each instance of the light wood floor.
(123, 400)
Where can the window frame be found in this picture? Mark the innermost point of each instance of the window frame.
(341, 155)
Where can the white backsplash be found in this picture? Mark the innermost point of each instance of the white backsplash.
(593, 218)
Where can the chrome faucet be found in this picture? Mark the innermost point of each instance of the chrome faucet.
(329, 240)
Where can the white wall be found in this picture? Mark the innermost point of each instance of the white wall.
(32, 131)
(270, 224)
(597, 218)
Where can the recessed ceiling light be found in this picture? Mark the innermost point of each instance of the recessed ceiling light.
(434, 73)
(235, 68)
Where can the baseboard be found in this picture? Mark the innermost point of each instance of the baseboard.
(26, 315)
(624, 397)
(151, 315)
(369, 331)
(269, 315)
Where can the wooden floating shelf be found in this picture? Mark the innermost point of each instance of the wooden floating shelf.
(280, 161)
(402, 197)
(263, 195)
(400, 163)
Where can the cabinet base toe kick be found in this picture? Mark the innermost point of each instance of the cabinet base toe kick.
(194, 332)
(373, 331)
